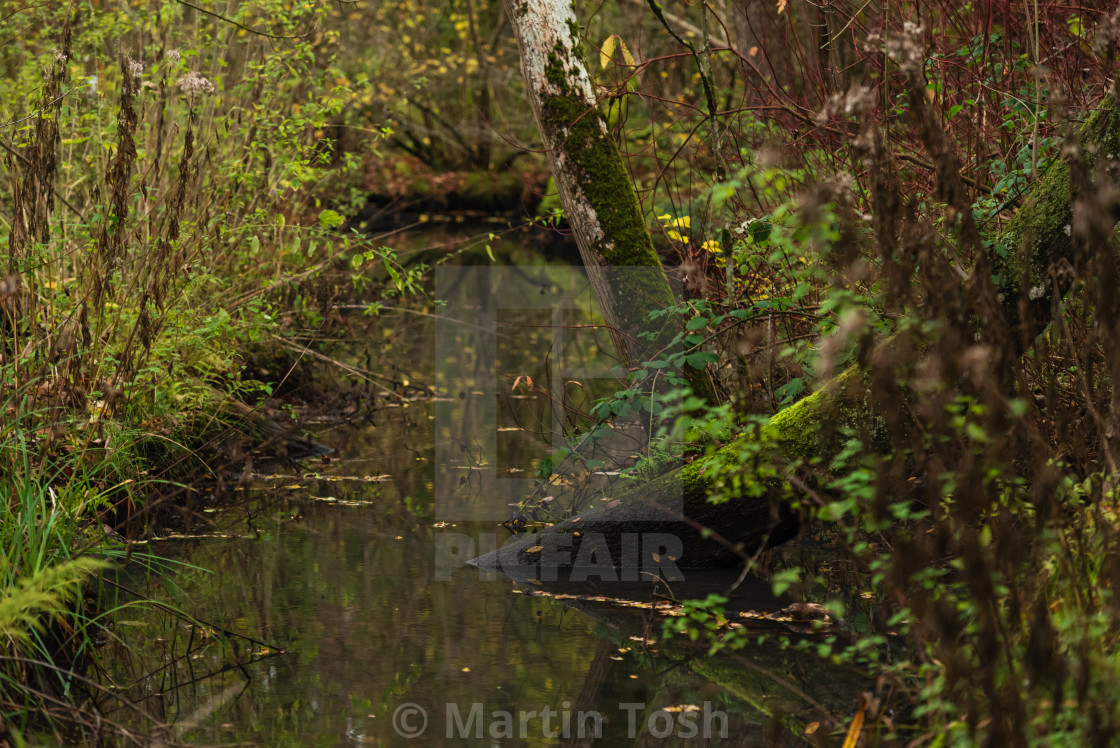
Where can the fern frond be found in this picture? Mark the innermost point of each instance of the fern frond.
(24, 606)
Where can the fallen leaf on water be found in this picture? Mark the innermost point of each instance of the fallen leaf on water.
(535, 549)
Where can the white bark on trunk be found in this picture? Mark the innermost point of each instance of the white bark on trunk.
(595, 189)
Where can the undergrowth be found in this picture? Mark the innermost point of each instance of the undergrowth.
(169, 197)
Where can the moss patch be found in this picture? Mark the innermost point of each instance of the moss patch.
(1039, 234)
(624, 244)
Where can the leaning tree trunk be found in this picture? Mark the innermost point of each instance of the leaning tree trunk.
(760, 494)
(602, 207)
(595, 190)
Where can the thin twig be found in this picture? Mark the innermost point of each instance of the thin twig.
(220, 17)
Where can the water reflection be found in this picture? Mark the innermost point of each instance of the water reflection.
(335, 579)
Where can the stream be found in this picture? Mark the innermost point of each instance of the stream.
(353, 621)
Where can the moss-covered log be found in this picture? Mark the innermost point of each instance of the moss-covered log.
(1040, 236)
(599, 200)
(601, 205)
(1037, 238)
(632, 532)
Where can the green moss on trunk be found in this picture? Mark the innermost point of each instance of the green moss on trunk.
(624, 246)
(1040, 234)
(758, 507)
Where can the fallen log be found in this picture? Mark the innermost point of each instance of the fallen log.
(1032, 257)
(670, 523)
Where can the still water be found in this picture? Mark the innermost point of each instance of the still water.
(318, 610)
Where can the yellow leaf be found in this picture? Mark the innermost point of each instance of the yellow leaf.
(607, 50)
(626, 53)
(852, 738)
(781, 6)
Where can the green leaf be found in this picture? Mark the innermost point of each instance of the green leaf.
(784, 579)
(699, 360)
(790, 390)
(330, 219)
(696, 323)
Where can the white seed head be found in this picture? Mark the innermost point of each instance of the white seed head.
(193, 84)
(904, 50)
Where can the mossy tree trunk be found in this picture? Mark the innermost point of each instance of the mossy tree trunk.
(1036, 245)
(602, 207)
(1034, 255)
(599, 200)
